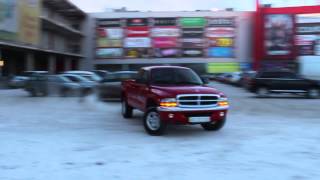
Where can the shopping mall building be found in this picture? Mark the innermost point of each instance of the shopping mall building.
(44, 35)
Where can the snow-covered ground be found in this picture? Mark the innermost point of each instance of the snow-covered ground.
(62, 139)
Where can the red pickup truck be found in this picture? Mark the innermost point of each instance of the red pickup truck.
(173, 95)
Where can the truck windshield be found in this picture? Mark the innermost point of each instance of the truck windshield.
(174, 76)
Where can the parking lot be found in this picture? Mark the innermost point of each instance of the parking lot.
(61, 138)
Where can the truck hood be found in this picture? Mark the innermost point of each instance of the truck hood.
(173, 91)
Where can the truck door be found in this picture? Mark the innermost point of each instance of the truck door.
(142, 88)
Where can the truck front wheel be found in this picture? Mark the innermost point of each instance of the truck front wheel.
(214, 126)
(126, 109)
(153, 124)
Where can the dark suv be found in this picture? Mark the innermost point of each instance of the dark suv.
(284, 82)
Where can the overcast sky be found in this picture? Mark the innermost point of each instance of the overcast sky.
(180, 5)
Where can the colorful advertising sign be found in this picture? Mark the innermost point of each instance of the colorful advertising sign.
(193, 43)
(220, 42)
(223, 67)
(137, 42)
(104, 53)
(192, 32)
(167, 31)
(19, 21)
(103, 42)
(192, 53)
(137, 22)
(137, 53)
(110, 33)
(109, 23)
(165, 22)
(221, 52)
(165, 53)
(221, 22)
(278, 34)
(193, 22)
(220, 32)
(165, 42)
(140, 31)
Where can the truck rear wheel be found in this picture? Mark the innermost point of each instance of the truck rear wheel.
(214, 126)
(126, 109)
(153, 124)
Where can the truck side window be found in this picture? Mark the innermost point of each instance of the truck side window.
(142, 77)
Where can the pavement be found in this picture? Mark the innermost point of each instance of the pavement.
(60, 138)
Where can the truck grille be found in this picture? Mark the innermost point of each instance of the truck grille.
(197, 100)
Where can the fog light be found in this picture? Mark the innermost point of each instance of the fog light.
(222, 114)
(171, 116)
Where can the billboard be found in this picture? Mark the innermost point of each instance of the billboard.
(193, 43)
(165, 42)
(139, 31)
(221, 22)
(220, 42)
(221, 52)
(192, 53)
(109, 23)
(137, 22)
(167, 31)
(166, 53)
(165, 22)
(19, 21)
(103, 42)
(308, 34)
(193, 22)
(192, 32)
(223, 67)
(105, 53)
(278, 34)
(110, 33)
(137, 53)
(220, 32)
(140, 42)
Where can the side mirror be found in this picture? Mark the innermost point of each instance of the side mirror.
(205, 80)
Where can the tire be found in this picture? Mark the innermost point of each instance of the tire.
(153, 124)
(126, 109)
(262, 92)
(214, 126)
(313, 93)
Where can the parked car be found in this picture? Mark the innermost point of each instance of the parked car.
(19, 81)
(87, 74)
(51, 85)
(173, 95)
(235, 78)
(246, 78)
(101, 73)
(284, 82)
(110, 86)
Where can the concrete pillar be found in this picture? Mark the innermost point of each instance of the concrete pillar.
(68, 64)
(52, 64)
(29, 62)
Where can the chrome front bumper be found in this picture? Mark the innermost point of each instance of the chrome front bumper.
(193, 109)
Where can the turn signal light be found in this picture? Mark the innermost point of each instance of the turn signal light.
(168, 104)
(223, 103)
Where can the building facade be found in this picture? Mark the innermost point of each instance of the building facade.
(45, 35)
(207, 40)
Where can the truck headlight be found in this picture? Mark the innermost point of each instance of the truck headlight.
(223, 103)
(169, 102)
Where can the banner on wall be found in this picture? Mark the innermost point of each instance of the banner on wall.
(220, 42)
(192, 32)
(104, 53)
(221, 52)
(221, 22)
(220, 32)
(140, 31)
(137, 22)
(165, 22)
(137, 42)
(192, 53)
(193, 22)
(162, 53)
(165, 42)
(110, 33)
(278, 34)
(193, 43)
(169, 31)
(19, 21)
(223, 67)
(137, 53)
(109, 23)
(105, 43)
